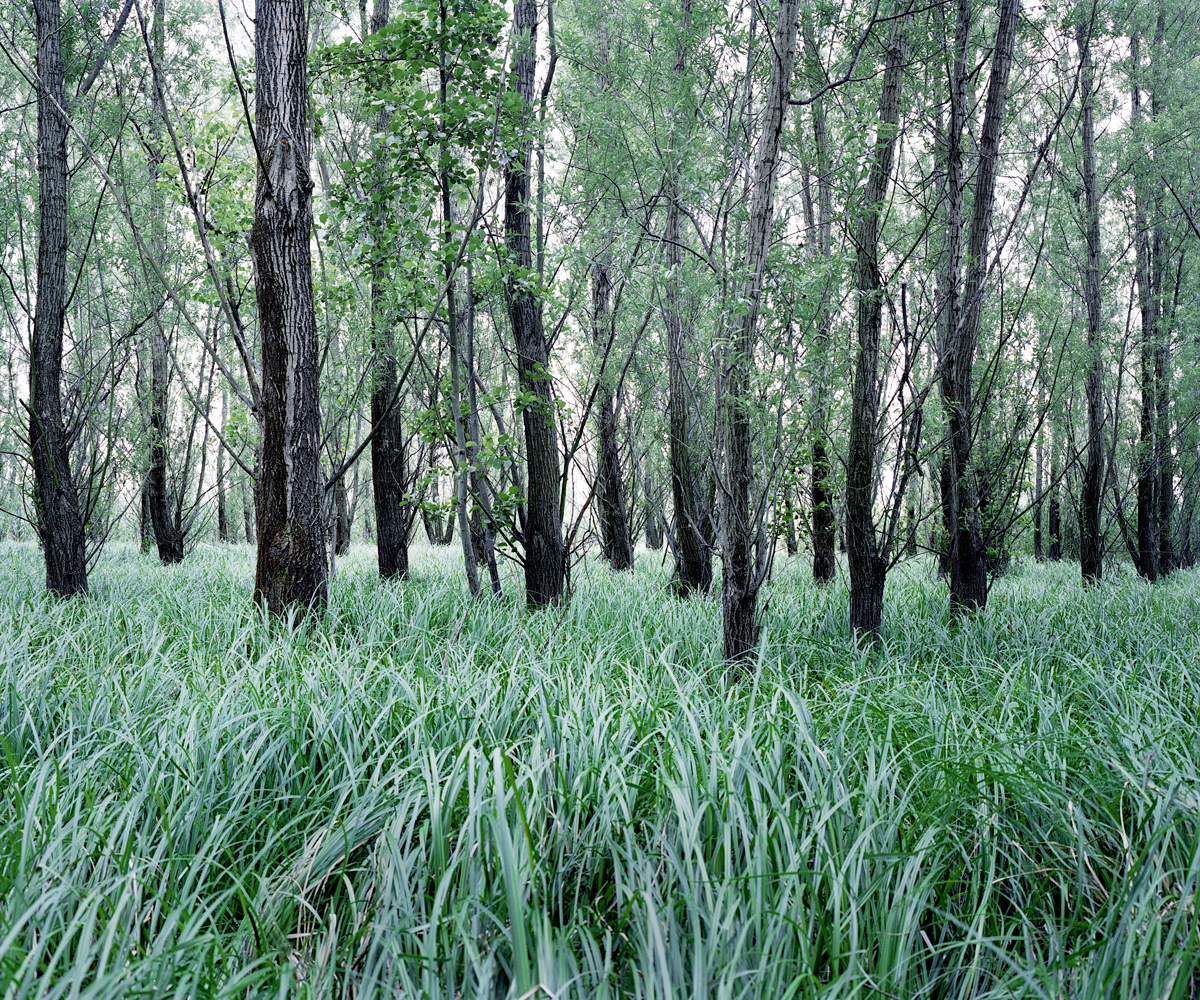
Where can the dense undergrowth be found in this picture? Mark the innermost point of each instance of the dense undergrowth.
(421, 799)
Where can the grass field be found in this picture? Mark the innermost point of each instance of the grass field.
(422, 799)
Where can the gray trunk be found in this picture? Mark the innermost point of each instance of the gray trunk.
(292, 566)
(964, 302)
(545, 563)
(57, 509)
(742, 546)
(868, 565)
(1091, 555)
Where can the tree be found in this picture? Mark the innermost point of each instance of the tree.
(292, 567)
(545, 562)
(743, 553)
(868, 559)
(964, 299)
(59, 517)
(1091, 549)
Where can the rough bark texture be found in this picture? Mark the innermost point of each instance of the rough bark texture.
(615, 541)
(964, 304)
(743, 560)
(222, 504)
(1147, 465)
(821, 222)
(389, 459)
(292, 566)
(545, 563)
(160, 495)
(693, 555)
(1091, 554)
(55, 494)
(868, 565)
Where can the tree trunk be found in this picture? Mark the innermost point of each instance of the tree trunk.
(868, 565)
(292, 567)
(743, 559)
(159, 495)
(654, 535)
(247, 514)
(1039, 552)
(545, 562)
(693, 556)
(1091, 554)
(58, 514)
(615, 541)
(1147, 466)
(964, 305)
(823, 529)
(389, 459)
(1054, 510)
(341, 508)
(222, 507)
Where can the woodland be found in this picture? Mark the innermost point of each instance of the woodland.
(577, 499)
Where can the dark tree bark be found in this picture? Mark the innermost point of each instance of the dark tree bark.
(868, 565)
(389, 459)
(341, 518)
(1147, 465)
(161, 498)
(743, 559)
(545, 563)
(222, 506)
(615, 541)
(820, 222)
(59, 516)
(292, 567)
(692, 552)
(247, 514)
(1091, 555)
(654, 534)
(964, 305)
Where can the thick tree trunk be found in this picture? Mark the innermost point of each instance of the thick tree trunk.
(964, 305)
(868, 565)
(821, 221)
(292, 567)
(693, 555)
(545, 563)
(1091, 553)
(742, 558)
(55, 494)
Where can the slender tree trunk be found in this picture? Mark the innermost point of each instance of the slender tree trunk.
(463, 461)
(964, 307)
(740, 527)
(292, 566)
(59, 516)
(654, 535)
(615, 540)
(1039, 552)
(823, 529)
(160, 496)
(1054, 510)
(389, 459)
(693, 556)
(868, 565)
(222, 506)
(545, 562)
(485, 535)
(247, 514)
(1091, 554)
(1147, 471)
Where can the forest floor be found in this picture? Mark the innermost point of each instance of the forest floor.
(418, 798)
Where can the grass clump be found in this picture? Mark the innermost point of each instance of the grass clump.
(422, 799)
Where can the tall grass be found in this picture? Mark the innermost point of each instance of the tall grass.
(418, 798)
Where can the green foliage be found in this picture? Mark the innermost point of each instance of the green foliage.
(421, 797)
